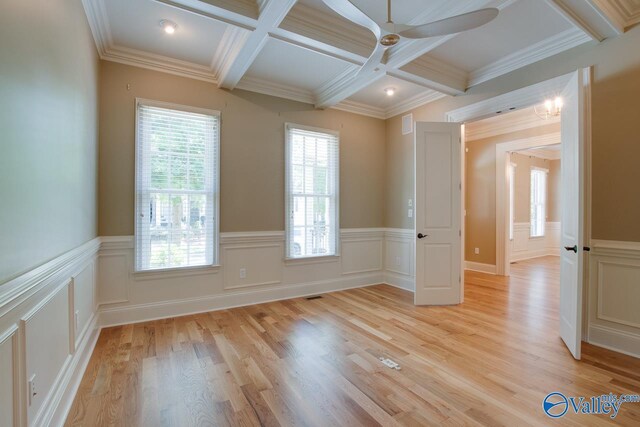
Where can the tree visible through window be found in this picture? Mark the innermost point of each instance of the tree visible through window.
(176, 186)
(311, 192)
(538, 202)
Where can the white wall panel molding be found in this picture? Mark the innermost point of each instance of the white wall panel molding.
(524, 247)
(45, 337)
(399, 258)
(614, 292)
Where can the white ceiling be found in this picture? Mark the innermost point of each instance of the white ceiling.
(304, 51)
(522, 24)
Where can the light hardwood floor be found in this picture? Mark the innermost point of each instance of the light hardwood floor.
(489, 361)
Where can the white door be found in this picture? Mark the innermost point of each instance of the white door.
(572, 217)
(438, 212)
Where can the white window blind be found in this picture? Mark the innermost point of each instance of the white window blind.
(176, 186)
(312, 186)
(538, 201)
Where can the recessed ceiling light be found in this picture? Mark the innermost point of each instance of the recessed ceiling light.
(390, 91)
(169, 27)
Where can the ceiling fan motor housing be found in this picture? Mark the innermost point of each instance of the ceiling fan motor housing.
(389, 40)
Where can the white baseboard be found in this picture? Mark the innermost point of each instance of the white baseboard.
(480, 267)
(401, 281)
(534, 254)
(615, 339)
(112, 316)
(74, 374)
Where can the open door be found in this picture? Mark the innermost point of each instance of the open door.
(438, 213)
(572, 217)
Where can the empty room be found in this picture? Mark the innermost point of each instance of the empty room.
(319, 212)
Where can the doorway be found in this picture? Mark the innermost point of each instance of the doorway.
(573, 90)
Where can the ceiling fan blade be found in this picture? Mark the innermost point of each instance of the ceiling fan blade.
(452, 25)
(349, 11)
(373, 61)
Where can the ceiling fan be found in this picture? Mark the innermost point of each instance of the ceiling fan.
(389, 34)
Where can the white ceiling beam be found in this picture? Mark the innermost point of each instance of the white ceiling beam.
(429, 83)
(272, 12)
(218, 10)
(586, 16)
(349, 83)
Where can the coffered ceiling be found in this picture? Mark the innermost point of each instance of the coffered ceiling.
(302, 50)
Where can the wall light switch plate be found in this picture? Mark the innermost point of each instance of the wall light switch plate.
(243, 273)
(410, 203)
(410, 213)
(31, 388)
(477, 251)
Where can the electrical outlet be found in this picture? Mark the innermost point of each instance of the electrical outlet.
(410, 213)
(31, 386)
(243, 273)
(397, 261)
(410, 203)
(76, 319)
(477, 251)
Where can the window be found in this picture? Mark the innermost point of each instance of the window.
(538, 201)
(176, 186)
(312, 183)
(512, 207)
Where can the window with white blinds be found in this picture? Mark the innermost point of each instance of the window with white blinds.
(538, 201)
(312, 187)
(177, 176)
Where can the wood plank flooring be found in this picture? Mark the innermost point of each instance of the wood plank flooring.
(489, 361)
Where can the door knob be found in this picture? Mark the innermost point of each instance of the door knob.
(573, 248)
(422, 236)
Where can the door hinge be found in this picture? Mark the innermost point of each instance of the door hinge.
(460, 233)
(459, 279)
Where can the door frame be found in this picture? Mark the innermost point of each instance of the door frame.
(503, 249)
(515, 100)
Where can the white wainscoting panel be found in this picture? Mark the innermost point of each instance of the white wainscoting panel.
(261, 262)
(153, 295)
(47, 341)
(614, 296)
(39, 337)
(361, 251)
(8, 374)
(523, 246)
(399, 259)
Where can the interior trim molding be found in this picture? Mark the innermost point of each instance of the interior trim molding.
(112, 316)
(536, 52)
(480, 267)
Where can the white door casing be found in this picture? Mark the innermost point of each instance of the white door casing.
(572, 215)
(438, 214)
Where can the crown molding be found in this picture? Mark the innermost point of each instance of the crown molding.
(534, 53)
(233, 39)
(97, 18)
(542, 153)
(623, 13)
(361, 108)
(159, 63)
(265, 87)
(498, 125)
(413, 102)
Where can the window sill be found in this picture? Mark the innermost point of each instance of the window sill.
(312, 260)
(536, 237)
(168, 273)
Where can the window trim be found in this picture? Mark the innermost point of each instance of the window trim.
(546, 196)
(287, 182)
(216, 187)
(512, 199)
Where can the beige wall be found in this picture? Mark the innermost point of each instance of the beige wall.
(522, 190)
(48, 118)
(616, 107)
(480, 192)
(252, 151)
